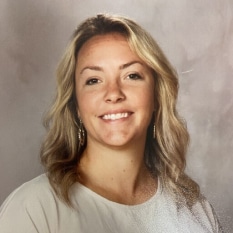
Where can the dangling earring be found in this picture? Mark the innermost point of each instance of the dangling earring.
(154, 133)
(81, 133)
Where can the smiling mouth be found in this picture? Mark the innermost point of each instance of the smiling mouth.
(116, 116)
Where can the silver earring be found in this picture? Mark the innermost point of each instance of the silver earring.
(154, 133)
(81, 133)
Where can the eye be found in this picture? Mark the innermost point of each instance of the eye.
(92, 81)
(134, 76)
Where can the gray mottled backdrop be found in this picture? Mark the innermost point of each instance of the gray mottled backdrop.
(197, 36)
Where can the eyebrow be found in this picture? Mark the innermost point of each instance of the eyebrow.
(124, 66)
(99, 68)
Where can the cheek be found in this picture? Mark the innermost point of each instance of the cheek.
(80, 105)
(146, 98)
(86, 104)
(81, 108)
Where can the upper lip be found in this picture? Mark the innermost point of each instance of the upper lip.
(115, 112)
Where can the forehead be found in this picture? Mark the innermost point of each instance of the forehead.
(100, 47)
(103, 39)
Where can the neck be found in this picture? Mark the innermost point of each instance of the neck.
(117, 174)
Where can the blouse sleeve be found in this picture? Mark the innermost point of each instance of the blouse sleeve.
(206, 214)
(24, 211)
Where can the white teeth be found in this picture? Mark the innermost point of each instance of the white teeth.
(115, 116)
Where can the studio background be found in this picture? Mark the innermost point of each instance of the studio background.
(197, 37)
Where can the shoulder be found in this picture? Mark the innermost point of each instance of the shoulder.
(29, 207)
(200, 217)
(205, 213)
(29, 191)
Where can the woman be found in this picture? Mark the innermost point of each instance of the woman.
(115, 149)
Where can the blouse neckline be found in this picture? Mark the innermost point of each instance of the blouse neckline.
(108, 202)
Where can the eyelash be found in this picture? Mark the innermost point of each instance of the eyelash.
(92, 81)
(134, 76)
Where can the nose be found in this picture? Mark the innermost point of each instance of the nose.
(114, 93)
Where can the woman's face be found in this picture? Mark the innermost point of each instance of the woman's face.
(114, 91)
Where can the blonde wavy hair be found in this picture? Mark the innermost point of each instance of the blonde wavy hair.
(164, 154)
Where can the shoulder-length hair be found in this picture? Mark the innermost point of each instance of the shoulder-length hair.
(164, 152)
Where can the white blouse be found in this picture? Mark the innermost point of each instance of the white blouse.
(35, 208)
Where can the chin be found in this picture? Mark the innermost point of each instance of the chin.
(119, 143)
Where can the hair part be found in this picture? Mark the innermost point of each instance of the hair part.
(164, 154)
